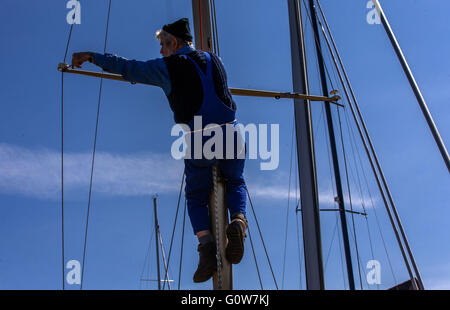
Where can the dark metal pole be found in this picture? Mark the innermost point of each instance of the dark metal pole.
(337, 173)
(156, 240)
(305, 152)
(413, 83)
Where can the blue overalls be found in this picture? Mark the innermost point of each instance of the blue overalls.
(199, 171)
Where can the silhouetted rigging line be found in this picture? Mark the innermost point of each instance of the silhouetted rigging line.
(300, 258)
(350, 198)
(297, 204)
(62, 147)
(322, 113)
(174, 225)
(326, 130)
(370, 239)
(378, 166)
(334, 195)
(359, 186)
(371, 198)
(94, 150)
(260, 235)
(379, 182)
(331, 244)
(318, 40)
(360, 192)
(163, 254)
(145, 261)
(333, 69)
(287, 209)
(182, 244)
(254, 257)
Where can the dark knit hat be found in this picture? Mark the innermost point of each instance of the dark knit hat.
(179, 29)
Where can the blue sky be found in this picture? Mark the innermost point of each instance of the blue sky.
(133, 148)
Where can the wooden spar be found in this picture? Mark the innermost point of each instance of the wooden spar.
(223, 278)
(220, 222)
(62, 67)
(285, 95)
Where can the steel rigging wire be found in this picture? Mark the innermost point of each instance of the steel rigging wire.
(62, 143)
(381, 183)
(94, 150)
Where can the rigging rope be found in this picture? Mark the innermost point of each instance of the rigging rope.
(145, 260)
(300, 258)
(370, 241)
(62, 146)
(354, 140)
(371, 199)
(349, 197)
(182, 245)
(163, 253)
(260, 235)
(254, 257)
(372, 164)
(334, 195)
(318, 42)
(287, 209)
(175, 224)
(94, 150)
(297, 199)
(378, 173)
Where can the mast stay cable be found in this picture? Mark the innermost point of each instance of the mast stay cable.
(350, 198)
(254, 257)
(182, 245)
(287, 209)
(62, 147)
(371, 198)
(145, 260)
(399, 239)
(163, 253)
(93, 152)
(174, 226)
(260, 235)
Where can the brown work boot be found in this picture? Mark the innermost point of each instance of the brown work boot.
(207, 264)
(236, 237)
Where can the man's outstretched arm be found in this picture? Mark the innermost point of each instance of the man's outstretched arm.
(153, 72)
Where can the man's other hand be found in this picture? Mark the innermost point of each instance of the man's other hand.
(79, 58)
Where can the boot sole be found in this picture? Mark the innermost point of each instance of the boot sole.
(204, 279)
(235, 248)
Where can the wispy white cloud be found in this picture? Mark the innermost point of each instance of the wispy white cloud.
(326, 197)
(37, 173)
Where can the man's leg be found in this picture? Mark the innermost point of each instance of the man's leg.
(198, 188)
(232, 170)
(236, 196)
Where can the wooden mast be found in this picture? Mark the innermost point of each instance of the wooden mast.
(223, 279)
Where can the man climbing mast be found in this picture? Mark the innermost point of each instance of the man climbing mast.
(195, 84)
